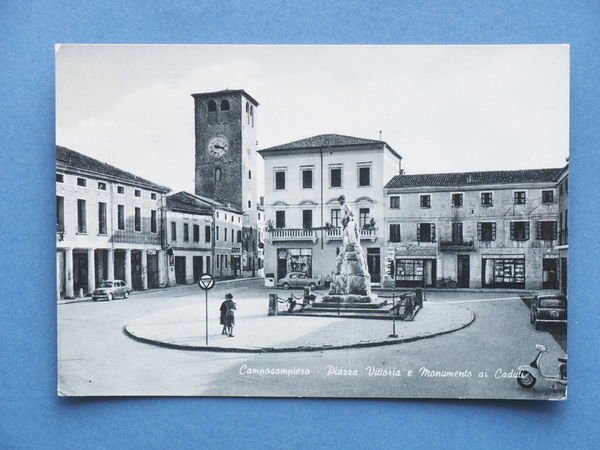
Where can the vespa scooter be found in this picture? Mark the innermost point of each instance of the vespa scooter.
(528, 375)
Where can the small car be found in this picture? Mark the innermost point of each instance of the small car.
(548, 308)
(110, 289)
(298, 280)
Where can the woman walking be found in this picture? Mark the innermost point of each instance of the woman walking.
(230, 315)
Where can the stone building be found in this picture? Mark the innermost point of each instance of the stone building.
(108, 226)
(303, 180)
(494, 229)
(226, 163)
(562, 185)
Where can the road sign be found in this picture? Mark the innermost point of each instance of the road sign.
(206, 281)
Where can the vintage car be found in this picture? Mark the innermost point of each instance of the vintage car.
(110, 289)
(298, 280)
(548, 308)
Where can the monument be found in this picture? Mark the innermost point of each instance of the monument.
(351, 282)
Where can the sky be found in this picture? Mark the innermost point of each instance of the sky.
(443, 108)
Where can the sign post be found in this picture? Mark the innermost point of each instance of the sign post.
(206, 282)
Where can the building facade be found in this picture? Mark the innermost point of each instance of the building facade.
(303, 180)
(562, 186)
(108, 226)
(226, 162)
(481, 229)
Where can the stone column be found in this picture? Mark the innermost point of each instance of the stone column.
(162, 271)
(144, 269)
(110, 264)
(128, 268)
(69, 289)
(91, 278)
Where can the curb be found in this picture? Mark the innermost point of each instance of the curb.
(292, 349)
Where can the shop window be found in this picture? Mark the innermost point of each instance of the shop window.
(394, 202)
(395, 232)
(486, 231)
(519, 231)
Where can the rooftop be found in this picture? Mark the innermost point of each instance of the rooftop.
(473, 178)
(333, 141)
(70, 159)
(187, 202)
(227, 91)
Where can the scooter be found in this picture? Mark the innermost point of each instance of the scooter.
(528, 375)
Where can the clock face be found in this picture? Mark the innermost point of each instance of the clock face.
(218, 146)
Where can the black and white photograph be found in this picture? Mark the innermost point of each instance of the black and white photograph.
(312, 221)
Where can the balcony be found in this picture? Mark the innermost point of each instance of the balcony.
(292, 234)
(457, 246)
(335, 234)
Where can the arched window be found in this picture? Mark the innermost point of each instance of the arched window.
(224, 105)
(212, 106)
(218, 174)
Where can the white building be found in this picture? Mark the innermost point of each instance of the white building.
(303, 180)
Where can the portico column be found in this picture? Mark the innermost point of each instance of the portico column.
(144, 269)
(110, 264)
(162, 272)
(128, 268)
(69, 289)
(91, 278)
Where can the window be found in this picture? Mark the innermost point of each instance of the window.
(519, 198)
(279, 180)
(249, 207)
(101, 185)
(138, 219)
(248, 112)
(363, 217)
(364, 176)
(153, 196)
(252, 114)
(121, 217)
(81, 182)
(335, 177)
(486, 199)
(102, 229)
(60, 214)
(249, 174)
(233, 219)
(153, 225)
(120, 189)
(426, 232)
(138, 193)
(566, 185)
(217, 234)
(395, 202)
(60, 178)
(232, 231)
(81, 219)
(207, 234)
(224, 105)
(186, 232)
(279, 219)
(239, 235)
(425, 201)
(547, 230)
(218, 174)
(394, 232)
(457, 232)
(173, 231)
(212, 106)
(335, 217)
(225, 259)
(307, 218)
(547, 196)
(307, 178)
(486, 231)
(225, 234)
(218, 258)
(196, 233)
(457, 200)
(519, 231)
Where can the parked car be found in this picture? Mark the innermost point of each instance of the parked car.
(110, 289)
(298, 280)
(548, 308)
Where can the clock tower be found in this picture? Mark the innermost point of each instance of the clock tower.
(226, 158)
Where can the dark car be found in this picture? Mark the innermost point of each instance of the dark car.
(548, 308)
(110, 289)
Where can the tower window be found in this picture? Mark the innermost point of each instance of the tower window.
(224, 105)
(212, 106)
(218, 174)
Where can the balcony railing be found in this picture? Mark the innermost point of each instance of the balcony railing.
(563, 237)
(457, 246)
(333, 234)
(292, 234)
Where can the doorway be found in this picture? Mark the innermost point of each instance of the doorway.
(198, 267)
(549, 273)
(374, 264)
(180, 269)
(463, 269)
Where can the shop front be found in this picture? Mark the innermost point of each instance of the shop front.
(415, 272)
(294, 260)
(503, 271)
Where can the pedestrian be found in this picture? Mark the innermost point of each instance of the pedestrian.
(230, 315)
(223, 317)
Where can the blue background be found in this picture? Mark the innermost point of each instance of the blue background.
(32, 416)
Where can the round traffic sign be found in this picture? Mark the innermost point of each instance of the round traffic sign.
(206, 281)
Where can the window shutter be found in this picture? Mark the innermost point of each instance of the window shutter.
(479, 231)
(512, 231)
(494, 231)
(527, 224)
(538, 229)
(554, 231)
(433, 232)
(418, 232)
